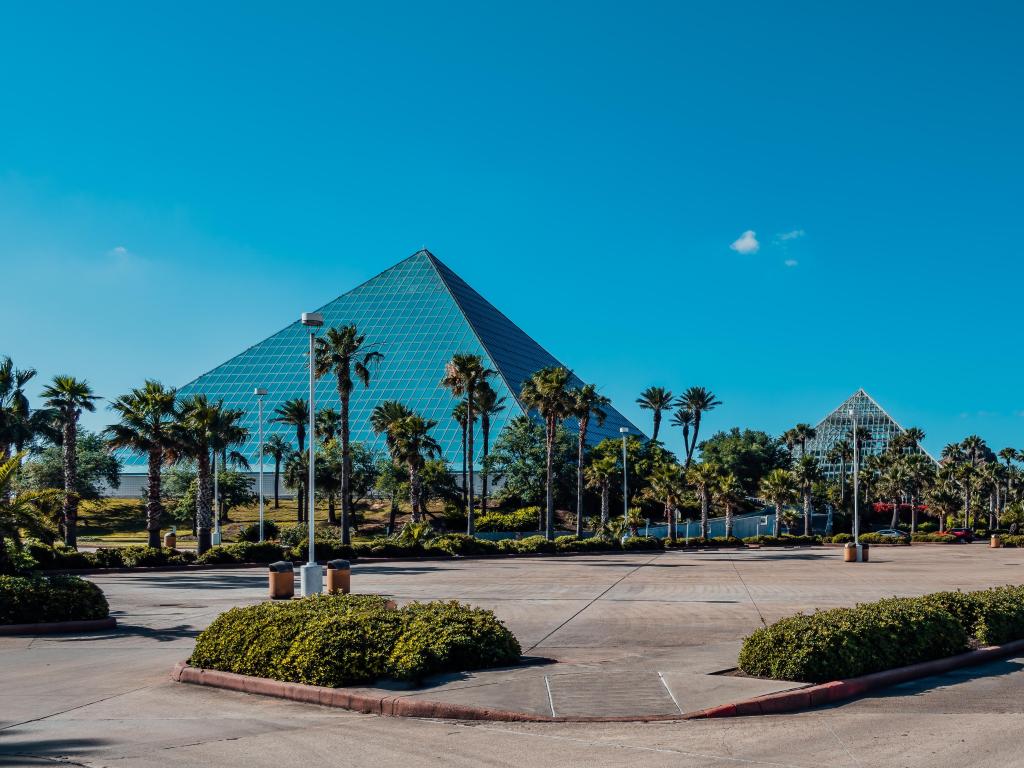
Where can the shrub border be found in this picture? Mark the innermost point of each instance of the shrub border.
(407, 706)
(55, 627)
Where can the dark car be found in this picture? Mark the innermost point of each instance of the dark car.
(964, 534)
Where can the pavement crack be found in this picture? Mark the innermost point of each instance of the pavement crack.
(747, 590)
(72, 709)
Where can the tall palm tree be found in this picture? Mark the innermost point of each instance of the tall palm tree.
(683, 419)
(488, 406)
(893, 483)
(841, 453)
(600, 474)
(704, 477)
(68, 397)
(344, 352)
(277, 448)
(463, 376)
(729, 493)
(657, 400)
(807, 473)
(18, 423)
(973, 449)
(408, 438)
(295, 413)
(547, 393)
(146, 415)
(586, 402)
(801, 434)
(296, 475)
(1009, 455)
(226, 433)
(460, 414)
(25, 512)
(698, 401)
(667, 486)
(920, 476)
(328, 424)
(779, 488)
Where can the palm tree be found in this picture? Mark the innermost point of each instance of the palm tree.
(696, 400)
(18, 423)
(488, 406)
(146, 414)
(973, 449)
(546, 392)
(226, 433)
(68, 397)
(25, 512)
(277, 448)
(343, 351)
(807, 473)
(801, 434)
(460, 413)
(683, 419)
(779, 488)
(600, 474)
(296, 475)
(409, 442)
(704, 477)
(463, 376)
(328, 424)
(657, 400)
(729, 493)
(585, 402)
(666, 486)
(295, 413)
(920, 475)
(893, 483)
(1009, 455)
(842, 454)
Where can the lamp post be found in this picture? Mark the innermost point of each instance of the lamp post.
(625, 483)
(216, 503)
(260, 394)
(311, 573)
(856, 488)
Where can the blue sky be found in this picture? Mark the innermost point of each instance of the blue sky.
(177, 183)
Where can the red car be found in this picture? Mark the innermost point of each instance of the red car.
(964, 534)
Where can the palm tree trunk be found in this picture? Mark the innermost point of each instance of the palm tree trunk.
(204, 497)
(913, 514)
(154, 510)
(346, 467)
(705, 503)
(579, 483)
(777, 528)
(605, 502)
(392, 515)
(657, 425)
(332, 517)
(895, 513)
(277, 477)
(485, 426)
(414, 493)
(470, 511)
(549, 518)
(807, 511)
(728, 521)
(465, 470)
(70, 483)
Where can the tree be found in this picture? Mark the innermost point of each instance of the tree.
(344, 352)
(698, 401)
(546, 392)
(408, 439)
(68, 397)
(704, 477)
(21, 512)
(683, 419)
(729, 492)
(18, 422)
(328, 424)
(519, 459)
(585, 402)
(277, 448)
(296, 475)
(920, 476)
(841, 453)
(460, 414)
(488, 406)
(801, 434)
(778, 487)
(750, 455)
(807, 473)
(600, 474)
(97, 468)
(295, 413)
(666, 486)
(328, 476)
(145, 417)
(657, 400)
(463, 376)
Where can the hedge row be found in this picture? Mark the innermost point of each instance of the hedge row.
(59, 557)
(871, 637)
(30, 600)
(337, 640)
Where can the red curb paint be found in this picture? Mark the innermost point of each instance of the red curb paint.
(56, 627)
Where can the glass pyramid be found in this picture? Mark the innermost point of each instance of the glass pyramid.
(876, 428)
(418, 314)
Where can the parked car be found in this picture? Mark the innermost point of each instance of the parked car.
(964, 534)
(893, 533)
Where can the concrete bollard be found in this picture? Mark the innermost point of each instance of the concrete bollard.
(996, 542)
(282, 580)
(339, 577)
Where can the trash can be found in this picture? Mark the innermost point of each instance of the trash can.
(339, 577)
(850, 553)
(864, 551)
(996, 542)
(170, 540)
(282, 580)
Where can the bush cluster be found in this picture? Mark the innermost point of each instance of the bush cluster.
(849, 642)
(874, 538)
(700, 542)
(462, 544)
(241, 552)
(32, 599)
(529, 545)
(251, 532)
(938, 538)
(58, 557)
(1009, 540)
(337, 640)
(785, 540)
(525, 519)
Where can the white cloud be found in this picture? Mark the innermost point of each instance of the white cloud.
(746, 243)
(791, 262)
(795, 234)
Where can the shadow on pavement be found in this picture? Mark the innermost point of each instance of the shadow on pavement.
(44, 751)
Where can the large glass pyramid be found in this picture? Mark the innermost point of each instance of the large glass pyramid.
(418, 314)
(876, 428)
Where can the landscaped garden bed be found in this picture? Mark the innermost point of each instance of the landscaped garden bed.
(51, 603)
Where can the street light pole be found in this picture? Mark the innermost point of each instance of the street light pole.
(856, 488)
(260, 394)
(311, 573)
(216, 503)
(625, 483)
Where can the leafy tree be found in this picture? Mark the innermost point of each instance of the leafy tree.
(519, 459)
(235, 489)
(749, 454)
(657, 400)
(145, 417)
(546, 392)
(344, 352)
(408, 439)
(667, 486)
(296, 475)
(96, 468)
(585, 402)
(392, 483)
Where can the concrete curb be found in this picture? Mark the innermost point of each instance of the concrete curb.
(56, 627)
(407, 706)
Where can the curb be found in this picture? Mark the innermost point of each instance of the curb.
(56, 627)
(406, 706)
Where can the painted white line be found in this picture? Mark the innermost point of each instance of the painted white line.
(671, 695)
(551, 699)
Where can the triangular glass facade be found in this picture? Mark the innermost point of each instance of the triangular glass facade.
(418, 314)
(875, 427)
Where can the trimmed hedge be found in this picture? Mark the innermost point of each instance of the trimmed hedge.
(337, 640)
(871, 637)
(29, 600)
(525, 519)
(693, 543)
(785, 540)
(531, 545)
(877, 539)
(241, 552)
(1010, 540)
(462, 544)
(935, 538)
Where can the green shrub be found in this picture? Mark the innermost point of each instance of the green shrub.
(531, 545)
(723, 541)
(936, 538)
(107, 557)
(385, 547)
(141, 556)
(874, 538)
(336, 640)
(322, 551)
(27, 600)
(1012, 540)
(251, 532)
(591, 544)
(56, 557)
(849, 642)
(462, 544)
(641, 543)
(298, 535)
(182, 557)
(927, 527)
(842, 538)
(786, 540)
(525, 519)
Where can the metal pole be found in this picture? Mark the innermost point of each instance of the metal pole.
(310, 520)
(856, 488)
(259, 399)
(216, 503)
(625, 476)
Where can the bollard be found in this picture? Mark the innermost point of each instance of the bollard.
(996, 542)
(339, 577)
(282, 580)
(170, 540)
